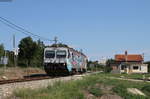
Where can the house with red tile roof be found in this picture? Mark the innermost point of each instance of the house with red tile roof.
(129, 58)
(129, 63)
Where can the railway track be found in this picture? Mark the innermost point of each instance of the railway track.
(25, 79)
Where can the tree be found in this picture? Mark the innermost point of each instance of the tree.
(94, 66)
(10, 55)
(108, 67)
(38, 58)
(109, 62)
(1, 50)
(27, 51)
(31, 52)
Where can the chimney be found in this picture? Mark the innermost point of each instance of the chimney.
(126, 55)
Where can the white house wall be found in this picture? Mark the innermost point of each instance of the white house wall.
(142, 68)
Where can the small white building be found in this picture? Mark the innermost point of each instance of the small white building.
(129, 63)
(133, 68)
(102, 61)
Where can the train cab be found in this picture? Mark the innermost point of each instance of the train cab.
(55, 60)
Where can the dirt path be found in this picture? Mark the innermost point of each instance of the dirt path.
(129, 79)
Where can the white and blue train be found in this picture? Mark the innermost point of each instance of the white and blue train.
(64, 60)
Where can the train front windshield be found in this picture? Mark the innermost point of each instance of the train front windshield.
(61, 54)
(49, 54)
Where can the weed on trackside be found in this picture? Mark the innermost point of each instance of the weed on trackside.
(97, 85)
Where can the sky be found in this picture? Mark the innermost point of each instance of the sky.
(101, 28)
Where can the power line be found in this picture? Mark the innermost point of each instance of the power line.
(20, 29)
(14, 28)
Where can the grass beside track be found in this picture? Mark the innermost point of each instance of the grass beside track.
(95, 85)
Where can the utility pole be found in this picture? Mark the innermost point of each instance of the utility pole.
(14, 49)
(4, 59)
(55, 39)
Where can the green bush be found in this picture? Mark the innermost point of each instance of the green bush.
(120, 89)
(96, 91)
(146, 88)
(107, 69)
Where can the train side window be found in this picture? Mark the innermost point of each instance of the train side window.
(72, 56)
(69, 54)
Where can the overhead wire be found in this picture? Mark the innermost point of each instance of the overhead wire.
(20, 29)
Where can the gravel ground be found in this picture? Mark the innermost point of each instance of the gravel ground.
(18, 73)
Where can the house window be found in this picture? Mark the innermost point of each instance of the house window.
(135, 67)
(123, 67)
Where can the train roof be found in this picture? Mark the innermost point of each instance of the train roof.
(60, 45)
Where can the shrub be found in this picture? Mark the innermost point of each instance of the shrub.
(146, 89)
(95, 91)
(120, 89)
